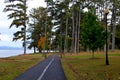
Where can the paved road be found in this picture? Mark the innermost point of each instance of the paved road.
(48, 69)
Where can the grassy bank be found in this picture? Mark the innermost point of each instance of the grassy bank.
(13, 66)
(82, 67)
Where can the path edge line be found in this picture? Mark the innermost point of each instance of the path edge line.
(40, 77)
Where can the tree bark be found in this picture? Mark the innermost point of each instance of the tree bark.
(66, 33)
(79, 19)
(73, 29)
(45, 36)
(93, 54)
(114, 27)
(25, 29)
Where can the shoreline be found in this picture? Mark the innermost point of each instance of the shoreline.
(10, 53)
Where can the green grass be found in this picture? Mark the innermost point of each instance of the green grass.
(13, 66)
(82, 67)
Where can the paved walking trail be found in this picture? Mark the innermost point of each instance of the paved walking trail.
(48, 69)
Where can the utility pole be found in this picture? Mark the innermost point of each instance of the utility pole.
(106, 13)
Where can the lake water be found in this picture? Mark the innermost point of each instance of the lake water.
(8, 53)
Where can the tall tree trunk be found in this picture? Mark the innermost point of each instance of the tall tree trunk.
(25, 29)
(25, 40)
(93, 54)
(45, 35)
(114, 26)
(61, 38)
(61, 49)
(73, 29)
(76, 32)
(50, 38)
(35, 38)
(79, 19)
(66, 33)
(34, 49)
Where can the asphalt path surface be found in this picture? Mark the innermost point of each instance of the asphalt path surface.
(48, 69)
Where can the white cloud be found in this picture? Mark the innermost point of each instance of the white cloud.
(5, 37)
(4, 23)
(36, 3)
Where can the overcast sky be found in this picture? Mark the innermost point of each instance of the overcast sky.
(6, 33)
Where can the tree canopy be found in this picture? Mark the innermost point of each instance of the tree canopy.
(93, 33)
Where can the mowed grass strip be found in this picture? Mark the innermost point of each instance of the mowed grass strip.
(13, 66)
(83, 67)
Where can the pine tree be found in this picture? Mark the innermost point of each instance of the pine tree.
(18, 14)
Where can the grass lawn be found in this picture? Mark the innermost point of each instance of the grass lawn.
(13, 66)
(82, 67)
